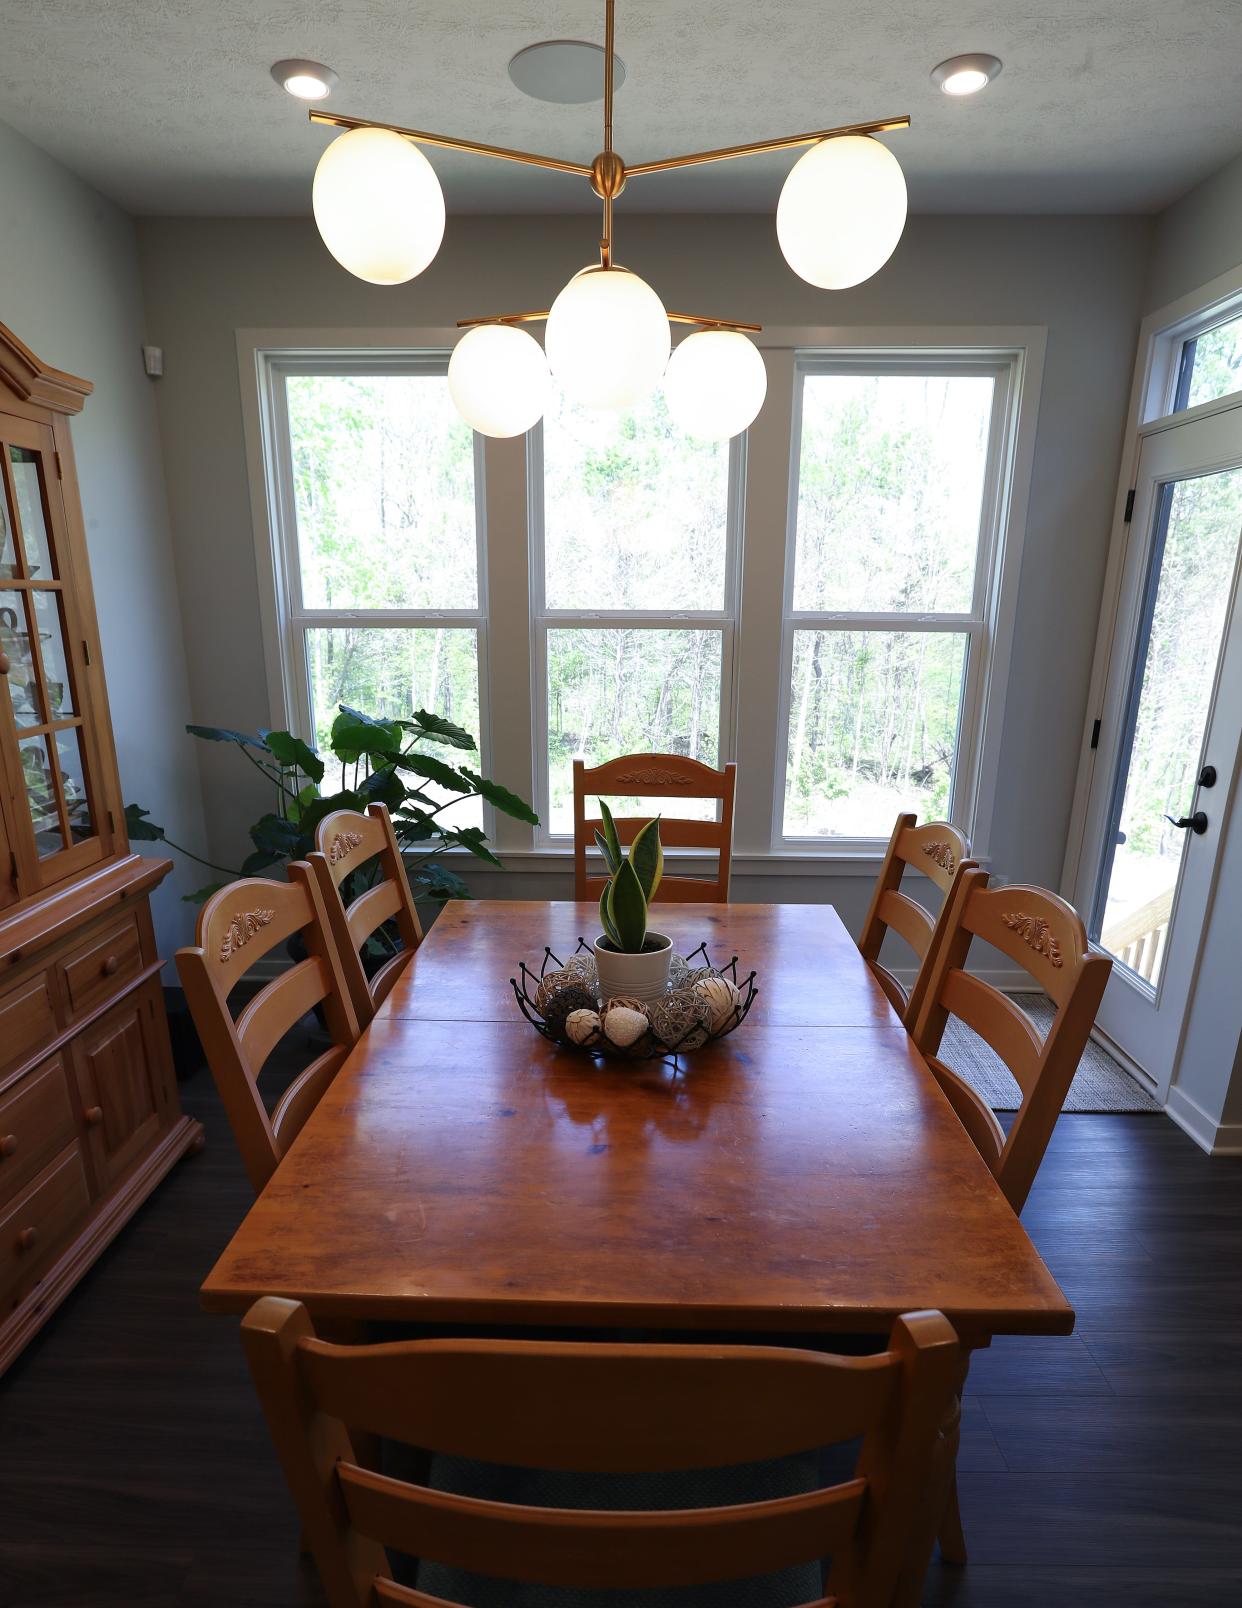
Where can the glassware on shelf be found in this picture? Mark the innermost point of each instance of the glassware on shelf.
(73, 781)
(50, 623)
(21, 679)
(41, 795)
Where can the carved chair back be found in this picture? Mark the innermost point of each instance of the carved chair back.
(237, 927)
(941, 853)
(605, 1408)
(345, 843)
(1045, 936)
(658, 776)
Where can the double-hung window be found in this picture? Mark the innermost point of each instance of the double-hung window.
(380, 561)
(890, 586)
(633, 581)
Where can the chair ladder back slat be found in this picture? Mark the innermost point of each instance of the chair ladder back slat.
(1006, 1029)
(371, 910)
(276, 1007)
(626, 1550)
(907, 918)
(658, 776)
(616, 1409)
(302, 1096)
(973, 1112)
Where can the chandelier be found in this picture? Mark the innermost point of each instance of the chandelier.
(380, 210)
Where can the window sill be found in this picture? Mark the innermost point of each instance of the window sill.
(774, 863)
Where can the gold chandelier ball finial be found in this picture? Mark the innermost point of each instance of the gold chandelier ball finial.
(842, 211)
(607, 338)
(499, 381)
(715, 384)
(378, 205)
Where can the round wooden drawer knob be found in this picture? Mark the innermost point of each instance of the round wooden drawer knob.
(8, 1144)
(111, 966)
(94, 1116)
(26, 1239)
(5, 664)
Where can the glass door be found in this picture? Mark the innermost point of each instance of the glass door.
(56, 829)
(1172, 722)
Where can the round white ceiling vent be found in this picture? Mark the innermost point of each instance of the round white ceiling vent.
(569, 72)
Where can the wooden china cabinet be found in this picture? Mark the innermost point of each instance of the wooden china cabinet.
(89, 1116)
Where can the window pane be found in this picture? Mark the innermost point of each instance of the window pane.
(49, 617)
(383, 474)
(634, 511)
(890, 487)
(1211, 365)
(614, 691)
(29, 489)
(872, 729)
(73, 774)
(40, 783)
(391, 673)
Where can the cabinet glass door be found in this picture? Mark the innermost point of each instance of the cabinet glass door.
(57, 827)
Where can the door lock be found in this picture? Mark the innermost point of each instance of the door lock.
(1198, 822)
(1207, 776)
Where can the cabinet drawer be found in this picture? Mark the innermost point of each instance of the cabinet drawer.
(40, 1224)
(36, 1121)
(27, 1019)
(96, 971)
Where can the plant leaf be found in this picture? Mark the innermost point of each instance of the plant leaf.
(415, 826)
(354, 735)
(439, 883)
(647, 857)
(439, 730)
(472, 838)
(605, 916)
(139, 828)
(383, 786)
(501, 797)
(628, 907)
(273, 835)
(311, 816)
(201, 895)
(602, 844)
(289, 750)
(610, 832)
(259, 861)
(223, 734)
(435, 770)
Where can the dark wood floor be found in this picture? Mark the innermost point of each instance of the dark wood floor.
(1100, 1470)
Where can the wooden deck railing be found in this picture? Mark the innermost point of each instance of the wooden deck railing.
(1139, 940)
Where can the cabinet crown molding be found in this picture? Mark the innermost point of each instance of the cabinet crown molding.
(35, 381)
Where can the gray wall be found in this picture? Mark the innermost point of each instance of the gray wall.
(1196, 238)
(1081, 278)
(69, 288)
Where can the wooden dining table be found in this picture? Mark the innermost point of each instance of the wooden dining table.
(803, 1175)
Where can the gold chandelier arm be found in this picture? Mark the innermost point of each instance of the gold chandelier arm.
(504, 318)
(445, 142)
(674, 318)
(788, 142)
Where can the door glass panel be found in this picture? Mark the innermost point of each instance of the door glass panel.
(26, 483)
(73, 779)
(15, 644)
(49, 618)
(41, 795)
(1211, 365)
(1185, 608)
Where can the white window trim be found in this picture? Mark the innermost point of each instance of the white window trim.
(1152, 389)
(544, 619)
(760, 497)
(988, 623)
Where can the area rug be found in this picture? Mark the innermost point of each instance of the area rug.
(1100, 1084)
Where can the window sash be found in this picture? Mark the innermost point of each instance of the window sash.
(977, 624)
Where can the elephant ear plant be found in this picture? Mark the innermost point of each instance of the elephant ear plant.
(378, 761)
(632, 961)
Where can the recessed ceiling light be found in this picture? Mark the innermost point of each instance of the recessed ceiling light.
(568, 72)
(308, 80)
(965, 75)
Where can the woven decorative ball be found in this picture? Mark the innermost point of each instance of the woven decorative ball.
(583, 1028)
(623, 1025)
(550, 984)
(681, 1020)
(723, 999)
(582, 969)
(699, 974)
(629, 1003)
(678, 971)
(565, 1003)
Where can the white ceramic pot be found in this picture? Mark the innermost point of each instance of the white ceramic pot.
(642, 976)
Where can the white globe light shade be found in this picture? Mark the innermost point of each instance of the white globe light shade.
(607, 338)
(379, 205)
(715, 384)
(499, 381)
(841, 211)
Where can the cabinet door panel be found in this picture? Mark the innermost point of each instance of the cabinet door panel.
(122, 1081)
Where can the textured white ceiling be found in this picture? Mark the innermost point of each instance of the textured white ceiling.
(166, 105)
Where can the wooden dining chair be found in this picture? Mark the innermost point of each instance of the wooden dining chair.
(605, 1408)
(658, 776)
(1047, 939)
(237, 927)
(941, 853)
(346, 842)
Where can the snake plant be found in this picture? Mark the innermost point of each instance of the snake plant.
(632, 882)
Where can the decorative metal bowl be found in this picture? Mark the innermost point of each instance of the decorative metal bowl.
(649, 1048)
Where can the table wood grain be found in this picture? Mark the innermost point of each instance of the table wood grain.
(804, 1174)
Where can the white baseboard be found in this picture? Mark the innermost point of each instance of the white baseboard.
(1128, 1064)
(1217, 1138)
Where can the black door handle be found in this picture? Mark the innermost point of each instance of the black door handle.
(1198, 822)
